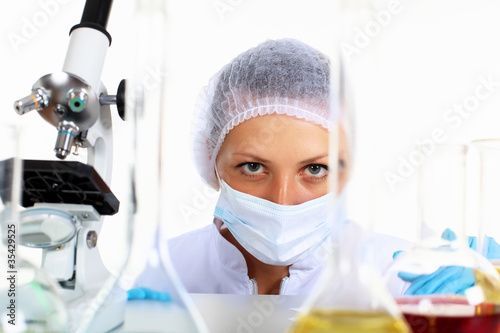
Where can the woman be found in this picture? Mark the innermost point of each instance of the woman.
(262, 139)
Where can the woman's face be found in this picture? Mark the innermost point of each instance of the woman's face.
(280, 158)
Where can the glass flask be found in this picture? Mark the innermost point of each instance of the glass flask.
(30, 298)
(449, 287)
(488, 233)
(351, 296)
(147, 115)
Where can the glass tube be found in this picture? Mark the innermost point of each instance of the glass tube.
(452, 288)
(488, 217)
(147, 114)
(31, 302)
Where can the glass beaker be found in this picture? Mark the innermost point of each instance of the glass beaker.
(351, 296)
(30, 300)
(449, 287)
(488, 217)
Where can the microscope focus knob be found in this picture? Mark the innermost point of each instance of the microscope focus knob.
(120, 98)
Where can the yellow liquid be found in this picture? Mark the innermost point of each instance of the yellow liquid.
(496, 264)
(491, 303)
(320, 321)
(489, 286)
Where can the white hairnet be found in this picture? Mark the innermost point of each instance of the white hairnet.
(283, 76)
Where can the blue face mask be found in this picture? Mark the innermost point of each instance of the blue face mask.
(277, 234)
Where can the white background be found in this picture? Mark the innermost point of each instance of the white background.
(408, 69)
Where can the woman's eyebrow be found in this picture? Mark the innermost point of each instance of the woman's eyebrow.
(252, 157)
(313, 159)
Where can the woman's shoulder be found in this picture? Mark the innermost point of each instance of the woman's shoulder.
(197, 235)
(191, 251)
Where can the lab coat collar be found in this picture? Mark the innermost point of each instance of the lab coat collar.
(229, 256)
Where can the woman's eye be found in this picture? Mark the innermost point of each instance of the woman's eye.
(316, 170)
(253, 167)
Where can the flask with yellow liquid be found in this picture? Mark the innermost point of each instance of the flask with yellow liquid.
(351, 297)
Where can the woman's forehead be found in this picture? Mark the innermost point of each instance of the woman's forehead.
(280, 133)
(277, 123)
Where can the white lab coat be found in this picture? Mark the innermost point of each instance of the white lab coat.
(207, 263)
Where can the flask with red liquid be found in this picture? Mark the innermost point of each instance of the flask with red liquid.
(449, 287)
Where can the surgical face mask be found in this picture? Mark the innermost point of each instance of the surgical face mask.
(277, 234)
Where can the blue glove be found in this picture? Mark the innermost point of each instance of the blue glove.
(446, 280)
(493, 249)
(449, 234)
(146, 293)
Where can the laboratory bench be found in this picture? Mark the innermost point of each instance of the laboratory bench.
(221, 312)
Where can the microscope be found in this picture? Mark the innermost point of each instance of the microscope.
(66, 201)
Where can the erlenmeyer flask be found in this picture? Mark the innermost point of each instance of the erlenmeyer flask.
(488, 217)
(351, 296)
(147, 113)
(31, 301)
(450, 288)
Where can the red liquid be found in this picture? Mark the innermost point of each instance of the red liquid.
(437, 324)
(486, 319)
